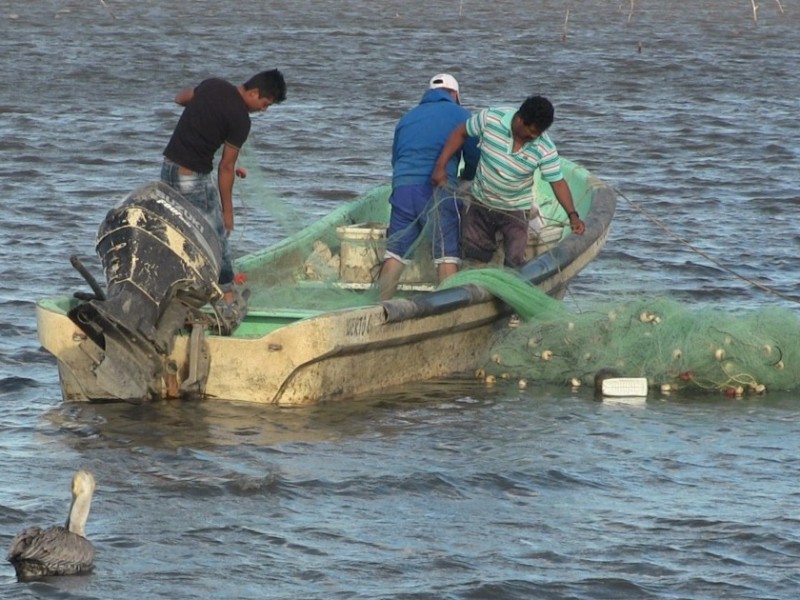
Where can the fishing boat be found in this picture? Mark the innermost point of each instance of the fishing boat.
(314, 329)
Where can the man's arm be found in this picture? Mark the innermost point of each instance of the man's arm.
(451, 146)
(185, 96)
(564, 197)
(225, 176)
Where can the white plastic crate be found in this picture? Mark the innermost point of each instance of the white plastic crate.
(625, 386)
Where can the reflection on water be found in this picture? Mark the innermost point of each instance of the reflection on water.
(203, 424)
(209, 424)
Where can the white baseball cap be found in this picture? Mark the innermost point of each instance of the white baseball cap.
(444, 80)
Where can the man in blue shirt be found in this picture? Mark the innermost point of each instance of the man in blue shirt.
(419, 138)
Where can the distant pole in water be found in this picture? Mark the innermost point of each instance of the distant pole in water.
(103, 2)
(757, 6)
(630, 13)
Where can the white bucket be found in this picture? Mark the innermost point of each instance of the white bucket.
(542, 239)
(362, 248)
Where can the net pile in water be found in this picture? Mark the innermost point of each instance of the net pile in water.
(674, 346)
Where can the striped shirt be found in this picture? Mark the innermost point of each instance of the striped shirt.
(504, 179)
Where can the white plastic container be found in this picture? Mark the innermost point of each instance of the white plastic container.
(543, 239)
(362, 248)
(625, 387)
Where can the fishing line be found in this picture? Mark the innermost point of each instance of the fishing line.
(242, 184)
(699, 252)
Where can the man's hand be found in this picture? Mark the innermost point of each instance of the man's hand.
(576, 224)
(439, 176)
(241, 172)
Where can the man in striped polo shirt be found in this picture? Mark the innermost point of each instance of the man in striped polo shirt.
(513, 143)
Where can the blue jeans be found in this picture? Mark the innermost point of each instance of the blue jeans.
(201, 190)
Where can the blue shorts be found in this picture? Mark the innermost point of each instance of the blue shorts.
(418, 209)
(201, 190)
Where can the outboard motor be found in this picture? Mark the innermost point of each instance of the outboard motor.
(161, 259)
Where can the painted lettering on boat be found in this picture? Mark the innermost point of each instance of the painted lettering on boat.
(357, 326)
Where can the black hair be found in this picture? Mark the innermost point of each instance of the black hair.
(270, 84)
(537, 110)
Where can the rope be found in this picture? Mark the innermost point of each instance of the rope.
(668, 231)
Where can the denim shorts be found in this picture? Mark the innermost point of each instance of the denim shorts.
(417, 209)
(201, 190)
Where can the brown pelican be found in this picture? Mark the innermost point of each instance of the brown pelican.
(57, 550)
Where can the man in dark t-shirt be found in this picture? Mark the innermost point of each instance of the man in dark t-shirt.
(217, 114)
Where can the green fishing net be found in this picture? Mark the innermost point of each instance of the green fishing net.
(674, 346)
(527, 300)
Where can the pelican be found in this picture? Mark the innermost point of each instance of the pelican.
(57, 550)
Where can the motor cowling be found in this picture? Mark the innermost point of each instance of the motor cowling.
(161, 259)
